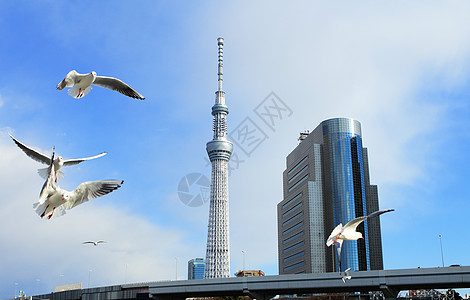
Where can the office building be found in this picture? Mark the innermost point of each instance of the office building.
(326, 182)
(196, 268)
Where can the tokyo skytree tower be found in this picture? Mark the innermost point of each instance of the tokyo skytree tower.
(219, 151)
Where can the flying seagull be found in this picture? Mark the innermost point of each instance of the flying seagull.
(53, 197)
(346, 275)
(58, 162)
(94, 243)
(348, 232)
(81, 84)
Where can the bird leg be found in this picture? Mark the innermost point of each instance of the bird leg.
(337, 237)
(52, 213)
(44, 213)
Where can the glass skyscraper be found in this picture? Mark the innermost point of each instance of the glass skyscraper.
(326, 182)
(196, 268)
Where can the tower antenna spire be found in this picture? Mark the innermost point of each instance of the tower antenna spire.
(220, 73)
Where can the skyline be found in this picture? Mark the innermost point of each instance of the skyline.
(401, 69)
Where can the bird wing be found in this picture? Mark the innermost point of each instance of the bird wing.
(90, 190)
(72, 78)
(36, 155)
(118, 86)
(379, 212)
(48, 187)
(338, 229)
(352, 225)
(75, 161)
(88, 242)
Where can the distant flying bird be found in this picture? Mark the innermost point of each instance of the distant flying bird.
(53, 197)
(346, 275)
(81, 84)
(348, 232)
(94, 243)
(58, 162)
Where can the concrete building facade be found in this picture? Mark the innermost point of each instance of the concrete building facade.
(326, 182)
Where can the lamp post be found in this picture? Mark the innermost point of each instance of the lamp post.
(125, 274)
(442, 253)
(176, 268)
(37, 286)
(244, 257)
(89, 275)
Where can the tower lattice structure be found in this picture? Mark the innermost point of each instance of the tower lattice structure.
(219, 151)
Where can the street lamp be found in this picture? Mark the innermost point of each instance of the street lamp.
(442, 253)
(89, 274)
(244, 256)
(37, 286)
(176, 268)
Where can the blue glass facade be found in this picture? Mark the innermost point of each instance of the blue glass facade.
(326, 182)
(196, 268)
(343, 141)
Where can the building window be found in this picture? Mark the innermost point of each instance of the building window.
(293, 218)
(293, 247)
(298, 225)
(297, 165)
(293, 237)
(292, 209)
(298, 182)
(301, 253)
(294, 266)
(292, 200)
(298, 174)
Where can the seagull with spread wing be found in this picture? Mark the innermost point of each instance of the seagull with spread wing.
(81, 84)
(94, 243)
(53, 197)
(348, 232)
(58, 163)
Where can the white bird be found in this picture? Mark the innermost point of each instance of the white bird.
(59, 162)
(346, 275)
(53, 197)
(94, 243)
(81, 84)
(348, 232)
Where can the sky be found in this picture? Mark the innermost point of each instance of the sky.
(399, 67)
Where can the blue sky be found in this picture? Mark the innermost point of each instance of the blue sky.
(400, 68)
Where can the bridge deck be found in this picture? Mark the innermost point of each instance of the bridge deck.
(388, 281)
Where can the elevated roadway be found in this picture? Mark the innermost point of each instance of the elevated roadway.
(390, 282)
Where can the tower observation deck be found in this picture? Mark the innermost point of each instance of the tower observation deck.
(219, 151)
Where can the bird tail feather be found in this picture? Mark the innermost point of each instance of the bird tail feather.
(44, 173)
(39, 208)
(76, 93)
